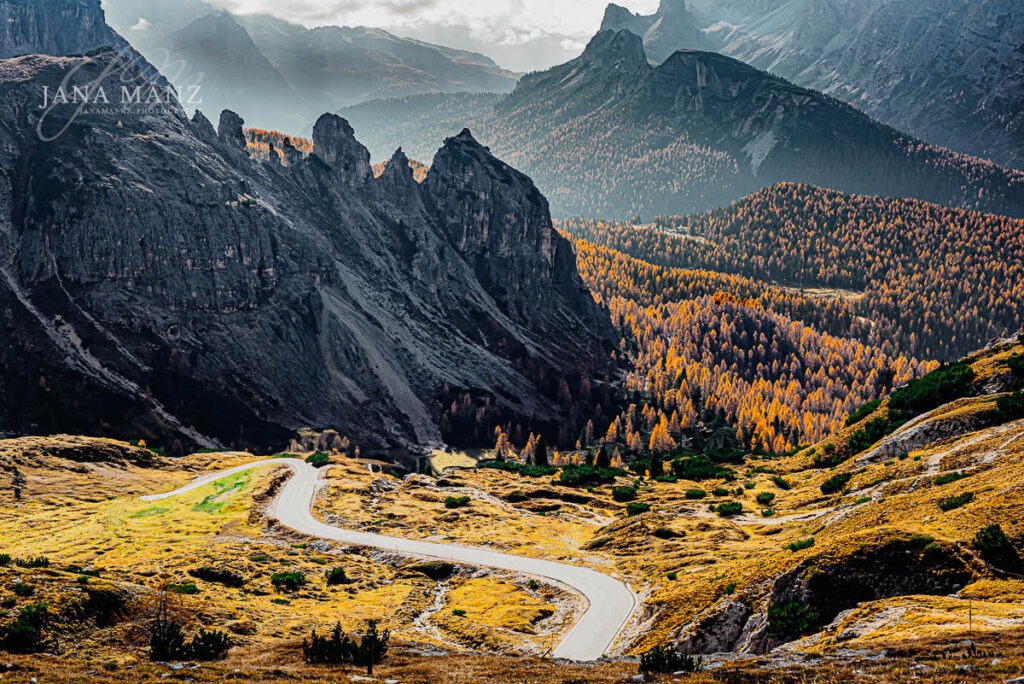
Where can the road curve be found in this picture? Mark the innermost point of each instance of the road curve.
(611, 602)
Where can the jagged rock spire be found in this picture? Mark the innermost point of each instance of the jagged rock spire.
(334, 142)
(230, 130)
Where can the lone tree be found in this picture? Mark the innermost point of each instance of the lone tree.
(540, 452)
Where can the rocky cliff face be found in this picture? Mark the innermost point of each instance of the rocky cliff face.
(157, 281)
(53, 27)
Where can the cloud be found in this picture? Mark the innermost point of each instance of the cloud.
(142, 25)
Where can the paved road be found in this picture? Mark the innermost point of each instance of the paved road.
(611, 602)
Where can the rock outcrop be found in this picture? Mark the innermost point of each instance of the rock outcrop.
(158, 282)
(54, 27)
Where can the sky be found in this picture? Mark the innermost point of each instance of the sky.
(522, 35)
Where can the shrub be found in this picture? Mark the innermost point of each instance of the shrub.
(801, 544)
(209, 645)
(865, 437)
(522, 469)
(5, 560)
(453, 502)
(791, 620)
(336, 576)
(765, 498)
(695, 494)
(188, 589)
(949, 503)
(940, 387)
(339, 648)
(662, 660)
(863, 412)
(667, 479)
(667, 533)
(459, 612)
(729, 509)
(25, 634)
(166, 638)
(782, 483)
(700, 468)
(637, 508)
(949, 478)
(218, 576)
(672, 576)
(768, 513)
(288, 581)
(720, 491)
(318, 460)
(583, 475)
(991, 542)
(24, 589)
(836, 483)
(35, 562)
(1010, 407)
(624, 494)
(730, 588)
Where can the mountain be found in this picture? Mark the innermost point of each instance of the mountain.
(221, 58)
(948, 72)
(53, 27)
(280, 75)
(610, 135)
(159, 283)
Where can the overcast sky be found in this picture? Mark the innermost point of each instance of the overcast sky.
(550, 30)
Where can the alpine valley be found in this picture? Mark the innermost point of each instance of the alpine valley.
(696, 358)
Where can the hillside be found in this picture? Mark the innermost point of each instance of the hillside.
(834, 562)
(161, 284)
(697, 132)
(946, 72)
(901, 275)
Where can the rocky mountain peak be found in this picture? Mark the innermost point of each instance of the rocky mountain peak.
(621, 51)
(334, 142)
(230, 130)
(203, 127)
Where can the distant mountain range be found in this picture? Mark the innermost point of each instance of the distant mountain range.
(611, 135)
(282, 75)
(947, 71)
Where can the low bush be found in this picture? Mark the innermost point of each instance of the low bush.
(836, 483)
(782, 483)
(637, 508)
(5, 560)
(34, 562)
(624, 494)
(209, 645)
(765, 498)
(288, 581)
(453, 502)
(1010, 407)
(992, 543)
(583, 475)
(791, 620)
(218, 576)
(700, 468)
(338, 648)
(189, 588)
(949, 478)
(696, 494)
(336, 576)
(24, 590)
(720, 492)
(863, 412)
(25, 634)
(459, 612)
(801, 544)
(318, 460)
(940, 387)
(949, 503)
(729, 509)
(662, 660)
(522, 469)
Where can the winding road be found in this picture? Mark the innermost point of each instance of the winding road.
(611, 603)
